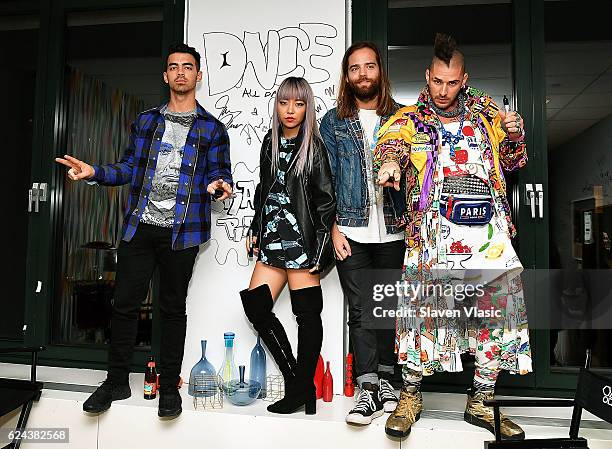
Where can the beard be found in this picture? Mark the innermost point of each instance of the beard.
(449, 105)
(181, 88)
(365, 93)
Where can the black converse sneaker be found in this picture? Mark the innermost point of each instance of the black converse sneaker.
(368, 406)
(386, 394)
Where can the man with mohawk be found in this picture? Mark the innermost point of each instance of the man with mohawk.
(449, 150)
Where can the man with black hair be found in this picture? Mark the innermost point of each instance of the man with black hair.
(177, 157)
(450, 148)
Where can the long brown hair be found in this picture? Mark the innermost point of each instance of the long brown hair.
(347, 106)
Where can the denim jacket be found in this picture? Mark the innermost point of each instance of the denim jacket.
(345, 145)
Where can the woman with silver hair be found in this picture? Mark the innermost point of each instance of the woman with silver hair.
(295, 208)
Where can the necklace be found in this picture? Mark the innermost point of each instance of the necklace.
(450, 138)
(460, 109)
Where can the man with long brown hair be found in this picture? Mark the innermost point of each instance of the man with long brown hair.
(449, 150)
(365, 236)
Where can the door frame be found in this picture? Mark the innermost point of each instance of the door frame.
(49, 124)
(369, 22)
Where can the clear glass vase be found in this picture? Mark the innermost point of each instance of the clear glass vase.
(202, 368)
(257, 369)
(228, 370)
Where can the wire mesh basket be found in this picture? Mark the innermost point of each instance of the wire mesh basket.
(275, 388)
(209, 394)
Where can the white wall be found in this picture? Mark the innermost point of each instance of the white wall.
(247, 49)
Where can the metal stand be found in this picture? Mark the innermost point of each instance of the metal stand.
(210, 395)
(275, 388)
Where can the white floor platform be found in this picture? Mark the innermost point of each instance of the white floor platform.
(133, 423)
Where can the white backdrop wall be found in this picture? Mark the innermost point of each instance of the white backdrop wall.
(247, 49)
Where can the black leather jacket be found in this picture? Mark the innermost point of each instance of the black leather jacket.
(311, 194)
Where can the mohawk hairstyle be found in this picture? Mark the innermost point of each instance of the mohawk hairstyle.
(444, 47)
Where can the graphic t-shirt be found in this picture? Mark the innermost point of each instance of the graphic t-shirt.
(161, 205)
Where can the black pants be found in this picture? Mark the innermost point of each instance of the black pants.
(137, 259)
(371, 347)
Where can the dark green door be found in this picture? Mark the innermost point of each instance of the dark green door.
(573, 97)
(91, 66)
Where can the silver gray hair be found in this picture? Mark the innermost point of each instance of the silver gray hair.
(293, 88)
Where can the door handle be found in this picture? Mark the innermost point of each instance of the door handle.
(530, 199)
(540, 199)
(36, 194)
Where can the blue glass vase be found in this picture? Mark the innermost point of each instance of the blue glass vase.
(203, 367)
(239, 392)
(258, 367)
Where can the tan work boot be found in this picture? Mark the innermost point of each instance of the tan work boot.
(478, 414)
(407, 412)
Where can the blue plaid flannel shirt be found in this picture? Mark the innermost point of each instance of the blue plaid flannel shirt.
(206, 158)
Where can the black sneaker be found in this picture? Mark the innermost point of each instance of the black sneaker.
(387, 396)
(368, 406)
(100, 400)
(170, 403)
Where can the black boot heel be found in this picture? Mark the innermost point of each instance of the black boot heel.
(310, 408)
(294, 401)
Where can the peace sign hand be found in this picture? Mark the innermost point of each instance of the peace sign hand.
(77, 169)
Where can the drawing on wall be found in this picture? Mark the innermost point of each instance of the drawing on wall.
(241, 72)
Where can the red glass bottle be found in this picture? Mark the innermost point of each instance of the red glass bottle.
(328, 385)
(318, 377)
(349, 385)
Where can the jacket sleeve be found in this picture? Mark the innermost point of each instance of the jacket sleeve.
(394, 139)
(256, 222)
(324, 201)
(257, 202)
(121, 172)
(331, 144)
(512, 155)
(218, 161)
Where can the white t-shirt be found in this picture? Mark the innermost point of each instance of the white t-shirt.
(376, 231)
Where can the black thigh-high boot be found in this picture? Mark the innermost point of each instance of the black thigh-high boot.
(258, 305)
(307, 304)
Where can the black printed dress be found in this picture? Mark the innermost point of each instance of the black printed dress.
(281, 241)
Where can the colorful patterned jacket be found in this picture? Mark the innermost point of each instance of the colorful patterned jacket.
(206, 158)
(411, 138)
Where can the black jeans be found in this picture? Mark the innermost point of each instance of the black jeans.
(137, 259)
(371, 347)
